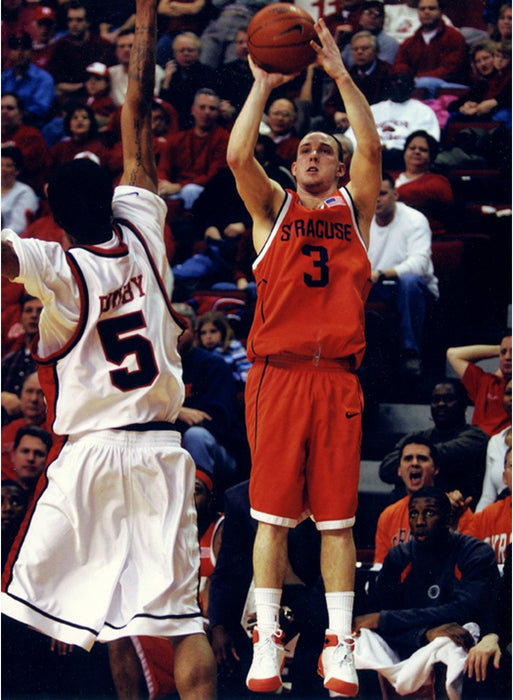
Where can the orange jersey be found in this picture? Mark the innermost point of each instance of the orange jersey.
(313, 277)
(493, 525)
(393, 528)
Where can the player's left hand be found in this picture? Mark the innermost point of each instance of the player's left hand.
(328, 53)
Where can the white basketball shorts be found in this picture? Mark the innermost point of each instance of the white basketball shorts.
(111, 547)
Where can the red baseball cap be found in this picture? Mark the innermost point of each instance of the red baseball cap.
(42, 13)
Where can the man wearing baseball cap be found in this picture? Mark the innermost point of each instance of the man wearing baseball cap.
(44, 36)
(33, 84)
(97, 85)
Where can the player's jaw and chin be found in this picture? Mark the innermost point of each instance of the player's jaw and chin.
(323, 178)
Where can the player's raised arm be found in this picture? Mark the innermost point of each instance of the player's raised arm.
(139, 168)
(261, 195)
(366, 163)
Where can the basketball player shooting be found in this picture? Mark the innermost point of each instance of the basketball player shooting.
(303, 398)
(111, 547)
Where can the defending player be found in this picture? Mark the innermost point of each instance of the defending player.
(303, 397)
(111, 548)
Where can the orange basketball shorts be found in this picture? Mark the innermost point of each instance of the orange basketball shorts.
(304, 430)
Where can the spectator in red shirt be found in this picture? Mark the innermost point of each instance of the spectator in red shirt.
(418, 187)
(74, 52)
(484, 388)
(44, 35)
(436, 54)
(33, 412)
(97, 86)
(195, 155)
(490, 95)
(81, 129)
(30, 451)
(27, 138)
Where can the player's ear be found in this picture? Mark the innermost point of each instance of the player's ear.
(293, 168)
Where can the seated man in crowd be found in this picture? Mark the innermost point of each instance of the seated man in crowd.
(485, 389)
(27, 138)
(33, 84)
(75, 51)
(372, 20)
(17, 365)
(436, 55)
(418, 466)
(427, 589)
(195, 155)
(399, 115)
(30, 452)
(402, 270)
(369, 72)
(184, 76)
(33, 412)
(461, 447)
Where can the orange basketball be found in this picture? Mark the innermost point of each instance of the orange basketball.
(279, 38)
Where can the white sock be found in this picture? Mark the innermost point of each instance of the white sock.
(340, 612)
(267, 610)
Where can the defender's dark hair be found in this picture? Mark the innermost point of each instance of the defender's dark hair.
(80, 197)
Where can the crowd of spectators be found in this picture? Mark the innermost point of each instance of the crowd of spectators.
(426, 70)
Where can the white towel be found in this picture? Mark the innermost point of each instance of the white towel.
(372, 652)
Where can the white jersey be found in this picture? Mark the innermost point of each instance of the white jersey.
(108, 336)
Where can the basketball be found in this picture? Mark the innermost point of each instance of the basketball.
(279, 38)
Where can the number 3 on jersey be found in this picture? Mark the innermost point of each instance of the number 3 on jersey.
(117, 348)
(319, 257)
